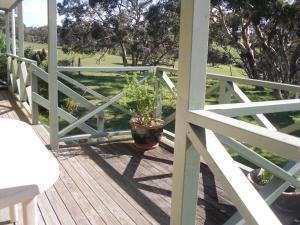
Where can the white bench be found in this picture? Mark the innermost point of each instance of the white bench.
(27, 168)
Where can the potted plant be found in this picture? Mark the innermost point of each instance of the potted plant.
(146, 124)
(259, 177)
(286, 207)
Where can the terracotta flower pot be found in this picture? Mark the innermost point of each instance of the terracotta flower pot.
(250, 177)
(146, 137)
(287, 205)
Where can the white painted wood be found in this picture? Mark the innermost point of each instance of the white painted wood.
(23, 76)
(13, 32)
(169, 134)
(34, 105)
(22, 58)
(291, 128)
(247, 200)
(193, 49)
(253, 108)
(224, 93)
(89, 115)
(13, 213)
(167, 69)
(30, 212)
(271, 191)
(9, 81)
(27, 168)
(158, 93)
(8, 4)
(170, 118)
(92, 92)
(12, 76)
(106, 69)
(212, 89)
(20, 29)
(7, 44)
(95, 111)
(96, 135)
(282, 144)
(100, 121)
(7, 33)
(63, 88)
(63, 114)
(52, 70)
(258, 160)
(261, 83)
(260, 118)
(170, 85)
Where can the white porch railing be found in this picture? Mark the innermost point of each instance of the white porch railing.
(24, 75)
(220, 126)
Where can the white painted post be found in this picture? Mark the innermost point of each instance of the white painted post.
(100, 121)
(13, 32)
(33, 104)
(30, 212)
(7, 44)
(191, 95)
(224, 93)
(7, 33)
(52, 77)
(158, 92)
(21, 29)
(13, 214)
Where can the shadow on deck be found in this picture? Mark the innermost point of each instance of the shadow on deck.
(116, 184)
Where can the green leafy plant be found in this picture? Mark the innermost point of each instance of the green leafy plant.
(2, 43)
(141, 99)
(263, 176)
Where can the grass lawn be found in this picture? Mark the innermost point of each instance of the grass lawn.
(109, 84)
(113, 60)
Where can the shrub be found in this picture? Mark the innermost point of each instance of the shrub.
(3, 60)
(3, 68)
(141, 99)
(65, 62)
(38, 56)
(215, 56)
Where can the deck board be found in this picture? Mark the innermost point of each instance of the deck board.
(115, 184)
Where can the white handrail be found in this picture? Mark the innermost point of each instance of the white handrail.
(105, 69)
(241, 192)
(282, 144)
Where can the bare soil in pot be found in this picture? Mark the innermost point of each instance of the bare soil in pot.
(146, 137)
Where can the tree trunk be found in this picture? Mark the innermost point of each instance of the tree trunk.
(293, 65)
(124, 54)
(248, 53)
(278, 94)
(135, 59)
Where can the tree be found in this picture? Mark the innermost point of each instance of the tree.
(37, 34)
(265, 34)
(2, 22)
(145, 29)
(39, 56)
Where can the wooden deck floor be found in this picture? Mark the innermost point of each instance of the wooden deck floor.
(115, 184)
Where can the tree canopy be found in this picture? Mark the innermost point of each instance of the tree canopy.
(147, 30)
(263, 33)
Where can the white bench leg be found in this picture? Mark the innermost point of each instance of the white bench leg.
(30, 212)
(13, 213)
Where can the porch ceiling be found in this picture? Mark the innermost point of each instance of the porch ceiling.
(8, 4)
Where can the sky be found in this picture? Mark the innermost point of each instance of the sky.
(35, 13)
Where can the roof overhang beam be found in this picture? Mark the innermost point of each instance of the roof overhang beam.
(8, 5)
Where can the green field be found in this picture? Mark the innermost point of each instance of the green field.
(113, 60)
(109, 84)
